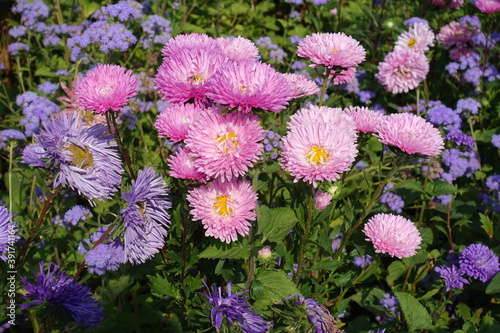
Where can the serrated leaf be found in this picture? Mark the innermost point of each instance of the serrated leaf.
(494, 285)
(486, 224)
(440, 187)
(226, 251)
(415, 313)
(275, 224)
(411, 185)
(161, 287)
(429, 294)
(276, 285)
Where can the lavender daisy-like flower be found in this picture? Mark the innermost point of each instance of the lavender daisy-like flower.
(249, 84)
(145, 218)
(7, 228)
(452, 276)
(174, 121)
(410, 133)
(319, 316)
(418, 38)
(225, 146)
(479, 262)
(105, 88)
(331, 50)
(85, 158)
(366, 120)
(393, 234)
(238, 48)
(301, 86)
(402, 70)
(224, 208)
(63, 296)
(235, 309)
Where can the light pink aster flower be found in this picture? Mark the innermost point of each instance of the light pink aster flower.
(182, 166)
(402, 70)
(322, 199)
(224, 208)
(301, 86)
(238, 48)
(344, 76)
(418, 38)
(456, 33)
(365, 119)
(453, 4)
(174, 121)
(331, 50)
(410, 133)
(487, 6)
(187, 42)
(225, 146)
(105, 88)
(393, 234)
(183, 76)
(317, 151)
(248, 84)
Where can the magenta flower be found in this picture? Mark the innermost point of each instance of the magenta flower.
(182, 166)
(418, 38)
(402, 70)
(224, 208)
(174, 121)
(487, 6)
(106, 87)
(238, 48)
(393, 234)
(248, 84)
(410, 133)
(456, 33)
(225, 145)
(331, 50)
(301, 86)
(343, 76)
(365, 119)
(188, 42)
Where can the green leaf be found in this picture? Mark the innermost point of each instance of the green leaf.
(276, 284)
(494, 285)
(440, 187)
(226, 251)
(326, 264)
(411, 185)
(162, 287)
(415, 313)
(275, 224)
(396, 269)
(429, 294)
(486, 224)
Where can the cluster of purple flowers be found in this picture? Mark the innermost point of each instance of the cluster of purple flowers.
(394, 201)
(106, 256)
(36, 110)
(391, 311)
(275, 53)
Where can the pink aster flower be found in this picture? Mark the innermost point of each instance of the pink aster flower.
(105, 87)
(456, 33)
(301, 86)
(248, 84)
(182, 166)
(224, 208)
(402, 70)
(317, 151)
(410, 133)
(183, 75)
(365, 119)
(418, 38)
(393, 234)
(174, 121)
(331, 50)
(238, 48)
(487, 6)
(71, 105)
(344, 76)
(187, 42)
(322, 199)
(453, 4)
(225, 146)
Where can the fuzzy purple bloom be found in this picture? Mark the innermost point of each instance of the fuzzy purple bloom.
(452, 276)
(36, 110)
(10, 134)
(363, 261)
(76, 214)
(479, 262)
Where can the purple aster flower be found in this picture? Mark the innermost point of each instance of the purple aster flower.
(318, 315)
(452, 276)
(145, 218)
(48, 88)
(76, 214)
(10, 134)
(7, 231)
(36, 110)
(63, 296)
(34, 154)
(235, 309)
(363, 261)
(495, 140)
(469, 104)
(479, 262)
(394, 201)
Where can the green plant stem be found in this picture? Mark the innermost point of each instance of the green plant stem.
(113, 128)
(407, 277)
(339, 10)
(424, 202)
(354, 282)
(19, 74)
(305, 236)
(448, 224)
(323, 88)
(251, 268)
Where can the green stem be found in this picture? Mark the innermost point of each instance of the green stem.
(251, 269)
(300, 264)
(323, 88)
(113, 128)
(354, 282)
(19, 74)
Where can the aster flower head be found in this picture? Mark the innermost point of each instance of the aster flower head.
(301, 86)
(145, 217)
(418, 38)
(479, 262)
(322, 199)
(249, 84)
(182, 166)
(238, 48)
(225, 146)
(452, 276)
(487, 6)
(331, 50)
(366, 120)
(402, 70)
(456, 34)
(106, 88)
(189, 41)
(62, 296)
(224, 208)
(393, 234)
(174, 121)
(410, 133)
(319, 316)
(7, 228)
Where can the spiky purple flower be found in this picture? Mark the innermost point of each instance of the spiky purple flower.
(452, 276)
(479, 262)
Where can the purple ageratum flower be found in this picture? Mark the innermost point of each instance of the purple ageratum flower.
(363, 261)
(125, 10)
(390, 303)
(10, 134)
(7, 228)
(36, 110)
(459, 163)
(441, 115)
(412, 20)
(18, 31)
(31, 12)
(278, 55)
(63, 296)
(265, 42)
(452, 276)
(469, 104)
(145, 218)
(495, 140)
(235, 309)
(394, 201)
(48, 88)
(107, 256)
(493, 182)
(318, 315)
(479, 262)
(16, 48)
(76, 214)
(156, 30)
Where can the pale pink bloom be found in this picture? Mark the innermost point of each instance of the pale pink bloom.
(105, 88)
(331, 50)
(322, 199)
(249, 84)
(453, 4)
(225, 146)
(182, 166)
(317, 152)
(418, 38)
(456, 33)
(265, 252)
(90, 118)
(402, 70)
(187, 42)
(224, 208)
(184, 75)
(238, 48)
(344, 76)
(174, 121)
(365, 119)
(459, 52)
(487, 6)
(393, 234)
(301, 86)
(410, 133)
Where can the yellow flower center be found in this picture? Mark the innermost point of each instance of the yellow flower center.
(412, 43)
(227, 142)
(221, 205)
(142, 209)
(196, 79)
(81, 157)
(243, 89)
(317, 155)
